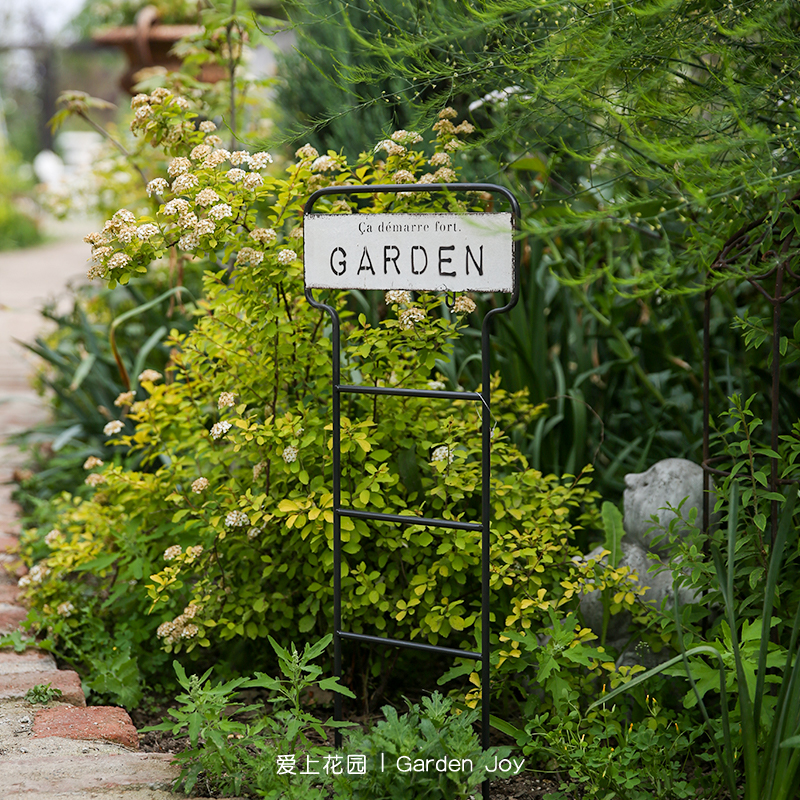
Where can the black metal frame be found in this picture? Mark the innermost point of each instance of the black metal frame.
(404, 519)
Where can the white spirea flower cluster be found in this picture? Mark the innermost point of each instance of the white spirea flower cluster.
(260, 160)
(53, 537)
(151, 375)
(265, 236)
(37, 574)
(226, 400)
(207, 126)
(180, 627)
(236, 519)
(442, 453)
(249, 256)
(65, 609)
(464, 305)
(324, 164)
(113, 427)
(220, 429)
(289, 454)
(397, 297)
(95, 479)
(406, 137)
(220, 211)
(254, 533)
(206, 197)
(285, 257)
(200, 485)
(258, 470)
(171, 553)
(440, 159)
(90, 463)
(157, 186)
(124, 398)
(306, 153)
(391, 148)
(410, 317)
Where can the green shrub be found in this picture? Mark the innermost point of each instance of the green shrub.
(228, 538)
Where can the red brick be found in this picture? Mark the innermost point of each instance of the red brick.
(11, 617)
(31, 660)
(9, 592)
(8, 543)
(96, 722)
(14, 686)
(84, 774)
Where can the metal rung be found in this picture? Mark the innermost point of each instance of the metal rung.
(430, 648)
(398, 392)
(407, 519)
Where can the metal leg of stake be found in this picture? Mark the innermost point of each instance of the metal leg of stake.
(485, 398)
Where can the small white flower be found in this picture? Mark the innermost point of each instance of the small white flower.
(252, 181)
(443, 453)
(140, 100)
(55, 535)
(436, 386)
(453, 144)
(157, 186)
(397, 297)
(214, 140)
(236, 519)
(445, 175)
(126, 233)
(260, 160)
(285, 257)
(463, 305)
(124, 399)
(220, 211)
(200, 152)
(249, 256)
(38, 573)
(226, 400)
(172, 552)
(95, 479)
(207, 126)
(185, 182)
(113, 427)
(254, 532)
(160, 94)
(143, 112)
(181, 102)
(189, 241)
(440, 160)
(239, 157)
(403, 176)
(306, 153)
(147, 231)
(410, 316)
(258, 469)
(204, 227)
(406, 137)
(206, 197)
(235, 175)
(289, 454)
(187, 220)
(265, 236)
(123, 217)
(65, 609)
(199, 485)
(189, 631)
(220, 429)
(391, 148)
(324, 164)
(193, 552)
(149, 375)
(215, 158)
(176, 206)
(178, 166)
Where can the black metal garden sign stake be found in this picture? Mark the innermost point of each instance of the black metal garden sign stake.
(422, 252)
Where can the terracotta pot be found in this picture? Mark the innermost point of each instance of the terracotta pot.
(148, 44)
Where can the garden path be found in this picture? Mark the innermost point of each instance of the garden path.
(66, 751)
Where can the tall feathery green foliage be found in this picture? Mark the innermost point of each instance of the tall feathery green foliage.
(318, 106)
(672, 122)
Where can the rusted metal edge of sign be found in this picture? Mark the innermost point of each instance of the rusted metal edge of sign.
(477, 246)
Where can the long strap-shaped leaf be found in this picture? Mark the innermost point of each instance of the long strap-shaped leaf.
(126, 381)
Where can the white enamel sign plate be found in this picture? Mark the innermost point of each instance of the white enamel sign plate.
(423, 252)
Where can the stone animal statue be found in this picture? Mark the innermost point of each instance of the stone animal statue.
(648, 494)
